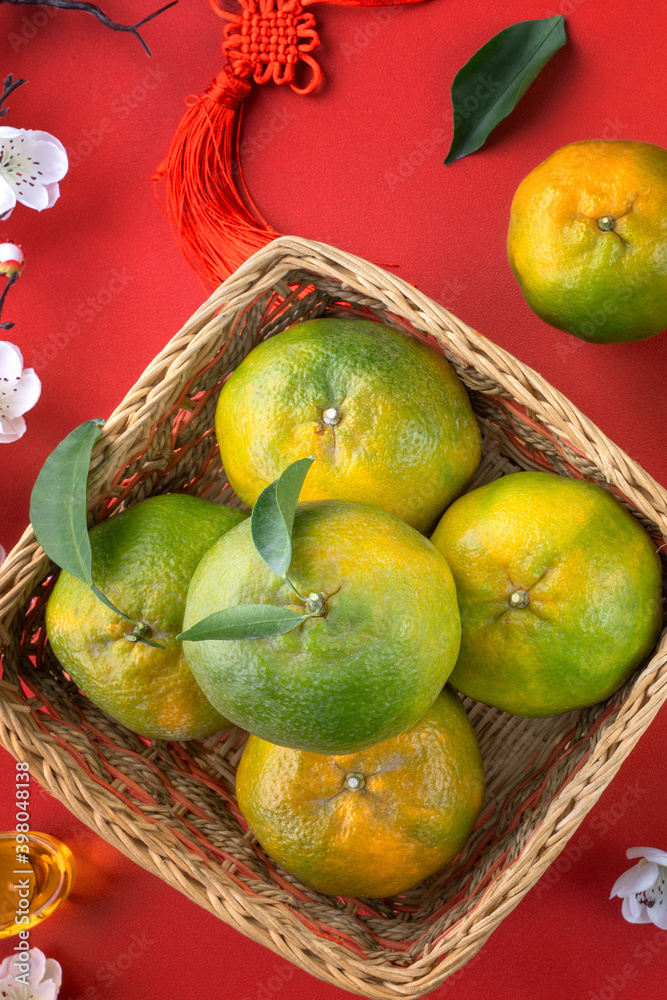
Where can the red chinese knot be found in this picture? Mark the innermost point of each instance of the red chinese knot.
(268, 39)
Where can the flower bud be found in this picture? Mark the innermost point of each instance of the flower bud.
(12, 260)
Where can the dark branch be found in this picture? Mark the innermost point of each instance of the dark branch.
(11, 280)
(8, 87)
(93, 9)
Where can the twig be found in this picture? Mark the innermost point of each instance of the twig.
(96, 11)
(8, 87)
(11, 280)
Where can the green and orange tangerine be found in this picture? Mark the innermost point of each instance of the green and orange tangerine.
(559, 590)
(385, 416)
(370, 661)
(143, 559)
(372, 823)
(587, 239)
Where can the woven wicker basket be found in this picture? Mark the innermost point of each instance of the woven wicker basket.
(169, 806)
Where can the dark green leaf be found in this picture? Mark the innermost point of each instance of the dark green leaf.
(493, 81)
(272, 517)
(58, 509)
(245, 621)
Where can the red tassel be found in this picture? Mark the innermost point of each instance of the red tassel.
(218, 226)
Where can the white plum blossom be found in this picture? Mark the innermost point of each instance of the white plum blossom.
(44, 977)
(31, 164)
(20, 389)
(643, 888)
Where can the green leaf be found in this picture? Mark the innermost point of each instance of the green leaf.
(272, 518)
(245, 621)
(493, 81)
(58, 508)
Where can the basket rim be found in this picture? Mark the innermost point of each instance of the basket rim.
(268, 268)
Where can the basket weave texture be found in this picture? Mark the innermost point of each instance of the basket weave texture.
(170, 806)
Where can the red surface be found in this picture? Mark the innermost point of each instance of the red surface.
(358, 165)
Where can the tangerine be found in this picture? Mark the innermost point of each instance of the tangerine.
(386, 417)
(587, 239)
(559, 589)
(372, 823)
(367, 666)
(143, 559)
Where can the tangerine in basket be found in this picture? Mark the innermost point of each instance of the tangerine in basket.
(143, 559)
(386, 417)
(587, 239)
(373, 823)
(559, 591)
(371, 662)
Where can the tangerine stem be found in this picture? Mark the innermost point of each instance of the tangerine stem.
(520, 599)
(315, 604)
(141, 631)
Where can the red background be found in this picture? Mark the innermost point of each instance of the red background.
(358, 165)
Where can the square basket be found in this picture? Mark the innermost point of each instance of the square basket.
(170, 806)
